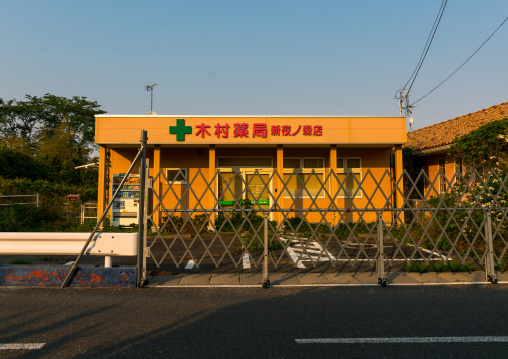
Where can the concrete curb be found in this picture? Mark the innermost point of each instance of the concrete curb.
(319, 279)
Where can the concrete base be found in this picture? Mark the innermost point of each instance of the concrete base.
(53, 276)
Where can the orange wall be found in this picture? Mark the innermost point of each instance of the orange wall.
(375, 162)
(432, 169)
(370, 138)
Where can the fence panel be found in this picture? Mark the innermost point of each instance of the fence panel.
(325, 221)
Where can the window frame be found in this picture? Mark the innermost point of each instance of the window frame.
(442, 175)
(357, 171)
(243, 165)
(319, 172)
(459, 170)
(184, 170)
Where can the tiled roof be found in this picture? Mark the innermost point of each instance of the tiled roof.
(444, 133)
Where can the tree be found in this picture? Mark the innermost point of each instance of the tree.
(57, 132)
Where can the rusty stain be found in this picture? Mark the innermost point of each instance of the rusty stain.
(51, 276)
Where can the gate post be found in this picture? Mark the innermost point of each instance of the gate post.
(490, 273)
(141, 210)
(381, 277)
(266, 280)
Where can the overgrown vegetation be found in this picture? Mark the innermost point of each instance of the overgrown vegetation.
(42, 140)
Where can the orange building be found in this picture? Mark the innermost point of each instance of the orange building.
(259, 151)
(433, 145)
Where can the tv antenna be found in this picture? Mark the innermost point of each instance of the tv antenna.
(150, 88)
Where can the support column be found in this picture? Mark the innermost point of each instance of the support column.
(211, 174)
(101, 198)
(399, 198)
(278, 183)
(333, 181)
(157, 185)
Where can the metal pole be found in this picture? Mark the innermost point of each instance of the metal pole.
(400, 103)
(490, 273)
(141, 210)
(381, 277)
(266, 280)
(146, 251)
(75, 265)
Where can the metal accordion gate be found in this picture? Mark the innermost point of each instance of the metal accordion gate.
(235, 222)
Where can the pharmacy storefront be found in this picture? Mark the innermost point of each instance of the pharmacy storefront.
(276, 163)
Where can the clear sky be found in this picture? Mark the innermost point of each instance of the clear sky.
(239, 57)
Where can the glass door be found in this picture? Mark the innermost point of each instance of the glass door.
(259, 189)
(229, 188)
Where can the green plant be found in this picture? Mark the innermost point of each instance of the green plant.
(20, 261)
(438, 267)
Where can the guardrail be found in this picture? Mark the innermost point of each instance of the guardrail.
(47, 243)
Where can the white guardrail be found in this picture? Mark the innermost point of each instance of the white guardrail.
(47, 243)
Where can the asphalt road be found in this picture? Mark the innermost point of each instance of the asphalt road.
(253, 322)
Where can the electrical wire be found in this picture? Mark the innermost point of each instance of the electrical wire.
(427, 44)
(453, 73)
(433, 32)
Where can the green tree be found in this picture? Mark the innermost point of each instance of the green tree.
(57, 132)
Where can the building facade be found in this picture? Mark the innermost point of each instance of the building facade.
(282, 159)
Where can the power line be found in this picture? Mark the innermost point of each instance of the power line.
(453, 73)
(427, 45)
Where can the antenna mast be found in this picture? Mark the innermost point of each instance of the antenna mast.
(150, 88)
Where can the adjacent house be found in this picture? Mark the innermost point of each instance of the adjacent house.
(432, 144)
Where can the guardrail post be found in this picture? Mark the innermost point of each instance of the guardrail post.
(381, 276)
(490, 273)
(37, 198)
(266, 280)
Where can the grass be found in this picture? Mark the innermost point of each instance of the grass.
(438, 267)
(20, 261)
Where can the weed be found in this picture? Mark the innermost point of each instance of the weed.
(438, 267)
(20, 261)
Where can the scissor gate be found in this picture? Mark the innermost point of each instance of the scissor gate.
(294, 221)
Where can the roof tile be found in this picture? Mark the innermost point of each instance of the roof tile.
(444, 133)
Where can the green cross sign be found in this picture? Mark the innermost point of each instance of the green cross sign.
(180, 130)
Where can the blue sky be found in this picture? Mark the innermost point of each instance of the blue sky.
(344, 58)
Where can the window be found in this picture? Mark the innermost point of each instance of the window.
(244, 162)
(300, 181)
(458, 169)
(442, 175)
(349, 172)
(176, 175)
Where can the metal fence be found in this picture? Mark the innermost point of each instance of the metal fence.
(88, 212)
(293, 220)
(15, 199)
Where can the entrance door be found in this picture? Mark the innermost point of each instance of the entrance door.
(229, 188)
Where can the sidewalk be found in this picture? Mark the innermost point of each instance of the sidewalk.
(318, 279)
